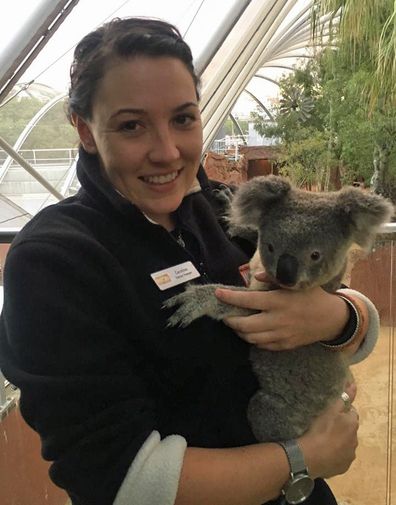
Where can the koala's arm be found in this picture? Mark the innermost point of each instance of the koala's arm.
(200, 300)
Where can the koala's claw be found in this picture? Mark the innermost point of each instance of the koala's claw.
(185, 314)
(196, 301)
(180, 319)
(172, 302)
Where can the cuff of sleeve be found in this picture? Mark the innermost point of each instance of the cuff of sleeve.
(373, 326)
(154, 474)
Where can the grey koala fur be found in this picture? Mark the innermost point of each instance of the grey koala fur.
(303, 241)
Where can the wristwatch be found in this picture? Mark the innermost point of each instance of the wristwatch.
(300, 485)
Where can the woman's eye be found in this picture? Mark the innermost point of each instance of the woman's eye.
(131, 126)
(184, 119)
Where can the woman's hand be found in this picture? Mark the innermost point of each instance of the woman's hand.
(287, 318)
(329, 446)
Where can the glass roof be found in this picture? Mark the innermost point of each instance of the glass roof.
(52, 64)
(241, 47)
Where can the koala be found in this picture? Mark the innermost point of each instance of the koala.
(303, 242)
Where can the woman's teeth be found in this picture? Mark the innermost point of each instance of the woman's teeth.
(161, 179)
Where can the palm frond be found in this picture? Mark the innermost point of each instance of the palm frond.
(366, 33)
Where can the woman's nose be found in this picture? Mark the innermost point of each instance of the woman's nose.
(164, 148)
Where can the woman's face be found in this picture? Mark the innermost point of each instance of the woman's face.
(146, 130)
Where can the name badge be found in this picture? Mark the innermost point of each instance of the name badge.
(173, 276)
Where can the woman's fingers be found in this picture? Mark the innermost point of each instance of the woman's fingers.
(255, 300)
(257, 330)
(256, 323)
(267, 330)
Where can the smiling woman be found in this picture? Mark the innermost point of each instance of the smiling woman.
(130, 411)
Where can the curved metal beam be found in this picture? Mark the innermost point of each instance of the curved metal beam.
(69, 177)
(285, 35)
(285, 57)
(28, 167)
(260, 104)
(28, 128)
(301, 34)
(217, 39)
(238, 127)
(269, 78)
(22, 212)
(233, 67)
(295, 25)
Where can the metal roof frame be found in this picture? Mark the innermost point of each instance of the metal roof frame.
(30, 40)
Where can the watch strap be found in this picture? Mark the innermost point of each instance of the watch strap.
(295, 456)
(300, 484)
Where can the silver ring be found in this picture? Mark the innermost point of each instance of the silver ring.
(347, 401)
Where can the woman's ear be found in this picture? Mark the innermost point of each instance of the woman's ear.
(86, 138)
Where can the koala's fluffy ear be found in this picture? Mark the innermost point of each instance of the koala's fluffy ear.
(366, 212)
(253, 198)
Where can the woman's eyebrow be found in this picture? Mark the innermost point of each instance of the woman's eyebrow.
(131, 110)
(127, 111)
(185, 106)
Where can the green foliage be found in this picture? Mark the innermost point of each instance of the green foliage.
(365, 33)
(51, 132)
(15, 115)
(342, 131)
(307, 160)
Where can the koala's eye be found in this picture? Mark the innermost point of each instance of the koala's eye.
(270, 248)
(315, 255)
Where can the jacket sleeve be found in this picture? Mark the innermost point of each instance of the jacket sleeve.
(82, 378)
(154, 474)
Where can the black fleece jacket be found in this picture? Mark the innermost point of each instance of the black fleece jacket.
(84, 337)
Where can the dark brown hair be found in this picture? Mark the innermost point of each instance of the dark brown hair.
(121, 38)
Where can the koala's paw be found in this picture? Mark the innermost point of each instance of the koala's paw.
(200, 300)
(196, 301)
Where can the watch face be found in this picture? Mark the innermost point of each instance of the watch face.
(299, 489)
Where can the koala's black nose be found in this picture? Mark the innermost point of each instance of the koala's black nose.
(286, 272)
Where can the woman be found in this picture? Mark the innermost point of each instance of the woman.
(129, 411)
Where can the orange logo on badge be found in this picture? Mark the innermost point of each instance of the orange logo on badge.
(162, 279)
